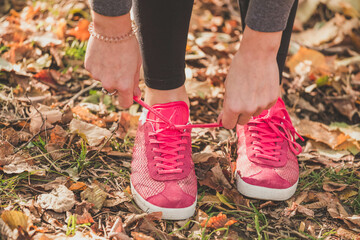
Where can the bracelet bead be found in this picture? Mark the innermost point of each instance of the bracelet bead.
(113, 39)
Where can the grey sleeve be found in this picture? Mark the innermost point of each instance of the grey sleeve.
(268, 15)
(111, 8)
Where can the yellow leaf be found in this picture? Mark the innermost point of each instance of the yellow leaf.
(14, 219)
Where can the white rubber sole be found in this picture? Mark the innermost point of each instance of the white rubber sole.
(264, 193)
(167, 213)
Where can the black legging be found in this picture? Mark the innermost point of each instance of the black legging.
(164, 25)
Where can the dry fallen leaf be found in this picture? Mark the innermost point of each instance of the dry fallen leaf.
(60, 199)
(14, 219)
(141, 236)
(5, 231)
(84, 114)
(81, 30)
(92, 134)
(315, 59)
(333, 186)
(18, 163)
(78, 186)
(118, 198)
(94, 194)
(218, 221)
(320, 133)
(347, 234)
(43, 116)
(203, 157)
(6, 149)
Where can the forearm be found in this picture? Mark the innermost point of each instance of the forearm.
(268, 15)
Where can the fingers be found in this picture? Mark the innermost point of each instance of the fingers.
(137, 91)
(125, 95)
(236, 115)
(229, 116)
(271, 104)
(244, 118)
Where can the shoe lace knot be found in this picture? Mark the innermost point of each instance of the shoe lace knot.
(169, 140)
(267, 133)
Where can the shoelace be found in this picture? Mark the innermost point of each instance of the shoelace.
(170, 145)
(271, 131)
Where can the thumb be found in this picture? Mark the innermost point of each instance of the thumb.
(137, 91)
(219, 120)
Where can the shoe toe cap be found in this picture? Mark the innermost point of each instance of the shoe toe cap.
(172, 197)
(268, 178)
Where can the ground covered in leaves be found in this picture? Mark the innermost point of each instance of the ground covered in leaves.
(65, 148)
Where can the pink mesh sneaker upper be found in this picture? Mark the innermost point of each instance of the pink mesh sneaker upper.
(267, 149)
(162, 169)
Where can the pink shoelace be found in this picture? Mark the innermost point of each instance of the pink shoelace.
(170, 144)
(270, 131)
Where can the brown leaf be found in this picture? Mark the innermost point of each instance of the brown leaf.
(84, 218)
(203, 157)
(236, 197)
(333, 186)
(118, 198)
(346, 107)
(78, 186)
(141, 236)
(321, 133)
(313, 58)
(347, 234)
(59, 77)
(305, 211)
(218, 221)
(94, 194)
(84, 114)
(219, 177)
(208, 181)
(43, 113)
(14, 137)
(6, 149)
(45, 77)
(355, 219)
(58, 136)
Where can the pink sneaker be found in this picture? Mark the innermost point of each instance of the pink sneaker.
(267, 166)
(163, 177)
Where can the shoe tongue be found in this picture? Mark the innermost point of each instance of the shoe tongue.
(176, 112)
(273, 110)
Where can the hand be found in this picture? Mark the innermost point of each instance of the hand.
(252, 84)
(116, 65)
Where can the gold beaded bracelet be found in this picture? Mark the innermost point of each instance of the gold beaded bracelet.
(109, 39)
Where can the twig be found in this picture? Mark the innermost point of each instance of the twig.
(34, 189)
(40, 130)
(14, 120)
(81, 92)
(51, 163)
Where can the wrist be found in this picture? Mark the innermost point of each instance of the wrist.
(111, 26)
(260, 44)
